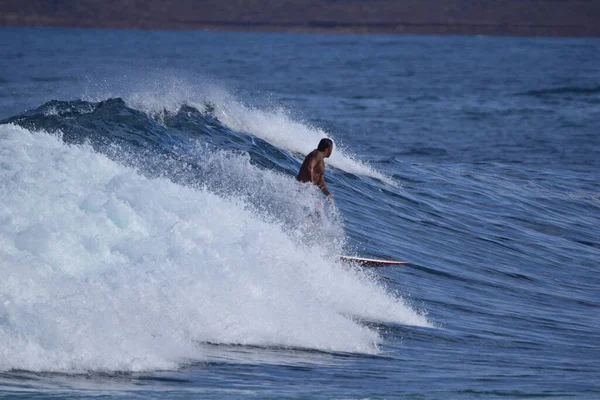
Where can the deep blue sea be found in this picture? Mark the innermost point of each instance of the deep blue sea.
(154, 242)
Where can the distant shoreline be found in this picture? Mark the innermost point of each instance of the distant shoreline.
(546, 18)
(397, 29)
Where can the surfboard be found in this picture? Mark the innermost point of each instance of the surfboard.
(371, 262)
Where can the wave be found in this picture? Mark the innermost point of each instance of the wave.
(277, 128)
(218, 119)
(562, 90)
(160, 94)
(111, 269)
(274, 125)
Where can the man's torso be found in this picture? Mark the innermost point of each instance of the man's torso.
(318, 168)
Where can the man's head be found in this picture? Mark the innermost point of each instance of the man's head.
(326, 145)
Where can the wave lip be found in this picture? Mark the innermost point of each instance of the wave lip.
(275, 125)
(141, 117)
(109, 270)
(277, 128)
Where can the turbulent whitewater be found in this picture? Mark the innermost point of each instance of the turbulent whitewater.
(125, 266)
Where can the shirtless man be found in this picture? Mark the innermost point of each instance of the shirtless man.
(313, 167)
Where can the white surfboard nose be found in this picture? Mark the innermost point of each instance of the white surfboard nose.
(371, 261)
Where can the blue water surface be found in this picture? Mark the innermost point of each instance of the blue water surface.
(483, 172)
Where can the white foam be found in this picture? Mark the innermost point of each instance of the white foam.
(104, 269)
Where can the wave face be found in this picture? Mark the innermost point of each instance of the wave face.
(132, 239)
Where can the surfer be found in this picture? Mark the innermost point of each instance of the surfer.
(313, 167)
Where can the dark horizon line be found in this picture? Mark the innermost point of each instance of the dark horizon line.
(400, 28)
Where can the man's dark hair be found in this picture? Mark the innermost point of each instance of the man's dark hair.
(324, 144)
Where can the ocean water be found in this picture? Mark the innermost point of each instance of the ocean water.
(155, 244)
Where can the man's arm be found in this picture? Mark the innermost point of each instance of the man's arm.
(323, 186)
